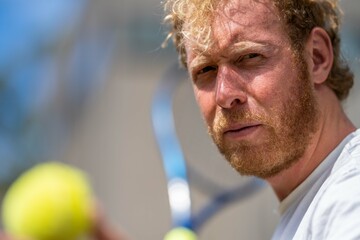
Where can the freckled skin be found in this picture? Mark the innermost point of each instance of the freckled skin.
(248, 25)
(251, 77)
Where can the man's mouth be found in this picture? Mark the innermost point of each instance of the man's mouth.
(241, 130)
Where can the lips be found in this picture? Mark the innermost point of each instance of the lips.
(241, 130)
(241, 127)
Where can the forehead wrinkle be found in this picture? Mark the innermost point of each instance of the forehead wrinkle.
(244, 14)
(237, 11)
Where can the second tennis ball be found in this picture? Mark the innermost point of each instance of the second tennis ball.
(50, 201)
(180, 233)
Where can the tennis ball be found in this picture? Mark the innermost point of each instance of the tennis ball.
(51, 201)
(180, 233)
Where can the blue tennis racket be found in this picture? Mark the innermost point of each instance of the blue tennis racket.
(179, 172)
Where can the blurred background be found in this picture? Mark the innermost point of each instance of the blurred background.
(77, 78)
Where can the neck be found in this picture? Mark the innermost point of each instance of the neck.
(333, 127)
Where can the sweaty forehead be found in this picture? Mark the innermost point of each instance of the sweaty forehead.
(233, 7)
(241, 20)
(244, 16)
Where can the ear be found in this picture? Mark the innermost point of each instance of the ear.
(321, 51)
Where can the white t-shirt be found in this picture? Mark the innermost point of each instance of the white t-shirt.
(327, 204)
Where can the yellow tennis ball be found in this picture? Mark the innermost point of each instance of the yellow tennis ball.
(180, 233)
(51, 201)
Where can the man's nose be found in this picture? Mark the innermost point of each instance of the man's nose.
(230, 88)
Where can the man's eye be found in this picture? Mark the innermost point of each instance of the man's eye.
(207, 69)
(248, 56)
(251, 55)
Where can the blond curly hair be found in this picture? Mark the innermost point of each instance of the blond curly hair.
(190, 20)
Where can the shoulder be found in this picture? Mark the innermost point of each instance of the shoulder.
(336, 213)
(335, 210)
(347, 166)
(342, 186)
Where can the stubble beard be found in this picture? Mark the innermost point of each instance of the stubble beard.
(288, 129)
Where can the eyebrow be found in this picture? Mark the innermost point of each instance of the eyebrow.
(245, 46)
(199, 61)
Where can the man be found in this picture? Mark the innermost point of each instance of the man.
(269, 81)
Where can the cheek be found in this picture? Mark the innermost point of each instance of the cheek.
(264, 91)
(273, 86)
(206, 103)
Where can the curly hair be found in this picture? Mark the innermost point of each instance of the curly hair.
(190, 20)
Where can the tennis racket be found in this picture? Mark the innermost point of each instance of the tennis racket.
(180, 173)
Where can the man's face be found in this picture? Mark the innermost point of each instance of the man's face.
(256, 97)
